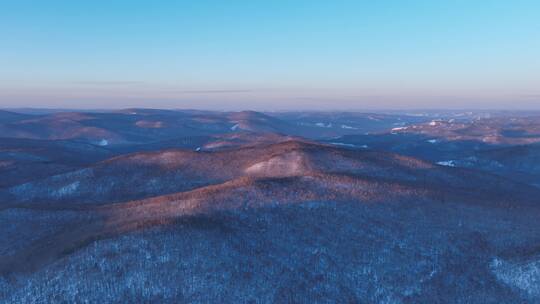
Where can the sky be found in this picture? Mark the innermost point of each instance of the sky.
(270, 55)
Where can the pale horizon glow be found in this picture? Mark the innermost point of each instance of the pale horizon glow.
(270, 55)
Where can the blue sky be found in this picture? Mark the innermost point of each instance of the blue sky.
(270, 55)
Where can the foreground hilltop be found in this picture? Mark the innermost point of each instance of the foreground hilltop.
(144, 174)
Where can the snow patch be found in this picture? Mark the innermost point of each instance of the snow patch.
(323, 125)
(289, 164)
(448, 163)
(342, 144)
(349, 145)
(524, 276)
(348, 127)
(235, 127)
(432, 141)
(67, 190)
(103, 142)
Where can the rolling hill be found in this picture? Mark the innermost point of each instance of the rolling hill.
(254, 214)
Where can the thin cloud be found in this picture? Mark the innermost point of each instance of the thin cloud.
(211, 91)
(109, 83)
